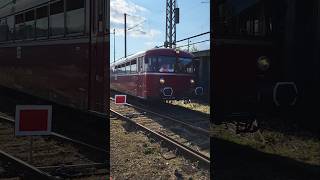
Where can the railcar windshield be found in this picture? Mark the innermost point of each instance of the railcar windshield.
(167, 64)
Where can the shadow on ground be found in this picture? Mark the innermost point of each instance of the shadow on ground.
(234, 161)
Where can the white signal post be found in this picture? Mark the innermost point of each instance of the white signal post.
(31, 120)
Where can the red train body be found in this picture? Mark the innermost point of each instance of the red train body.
(156, 74)
(248, 59)
(57, 50)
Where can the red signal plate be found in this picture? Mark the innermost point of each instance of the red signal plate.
(120, 99)
(33, 120)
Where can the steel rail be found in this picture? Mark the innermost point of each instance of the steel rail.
(205, 132)
(181, 149)
(40, 171)
(32, 171)
(60, 136)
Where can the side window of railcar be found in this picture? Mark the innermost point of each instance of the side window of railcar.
(75, 16)
(19, 26)
(10, 23)
(3, 30)
(123, 69)
(134, 66)
(140, 64)
(57, 18)
(42, 21)
(128, 67)
(116, 69)
(29, 25)
(151, 64)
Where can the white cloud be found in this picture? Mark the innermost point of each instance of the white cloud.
(119, 7)
(135, 18)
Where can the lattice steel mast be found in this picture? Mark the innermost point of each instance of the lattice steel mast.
(172, 19)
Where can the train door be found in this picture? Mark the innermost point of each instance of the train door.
(99, 64)
(140, 77)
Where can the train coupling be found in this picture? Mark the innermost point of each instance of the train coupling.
(167, 92)
(198, 91)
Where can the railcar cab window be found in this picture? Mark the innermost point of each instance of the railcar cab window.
(42, 21)
(30, 24)
(166, 64)
(185, 65)
(3, 30)
(57, 18)
(245, 18)
(19, 27)
(75, 16)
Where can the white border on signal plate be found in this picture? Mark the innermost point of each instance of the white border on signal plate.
(32, 107)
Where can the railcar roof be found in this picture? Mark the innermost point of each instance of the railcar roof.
(8, 8)
(150, 51)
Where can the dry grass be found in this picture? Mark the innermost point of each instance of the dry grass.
(196, 106)
(299, 148)
(135, 156)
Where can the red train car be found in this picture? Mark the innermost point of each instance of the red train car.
(56, 50)
(248, 63)
(159, 73)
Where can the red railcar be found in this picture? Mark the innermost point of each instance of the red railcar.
(159, 73)
(248, 63)
(56, 50)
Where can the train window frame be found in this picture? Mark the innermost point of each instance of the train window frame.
(133, 63)
(46, 36)
(5, 25)
(11, 35)
(33, 11)
(83, 30)
(128, 67)
(20, 22)
(57, 12)
(140, 63)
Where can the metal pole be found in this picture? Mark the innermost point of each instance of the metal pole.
(30, 149)
(170, 24)
(125, 35)
(114, 45)
(188, 44)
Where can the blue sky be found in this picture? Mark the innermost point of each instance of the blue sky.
(148, 19)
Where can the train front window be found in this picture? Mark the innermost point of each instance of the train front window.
(166, 64)
(185, 65)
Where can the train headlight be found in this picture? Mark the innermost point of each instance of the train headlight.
(191, 81)
(162, 81)
(263, 63)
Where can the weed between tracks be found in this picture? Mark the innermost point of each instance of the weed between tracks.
(135, 156)
(196, 106)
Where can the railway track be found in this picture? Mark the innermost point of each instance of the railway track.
(191, 141)
(173, 112)
(53, 157)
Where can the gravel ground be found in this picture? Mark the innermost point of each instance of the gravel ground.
(135, 156)
(46, 151)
